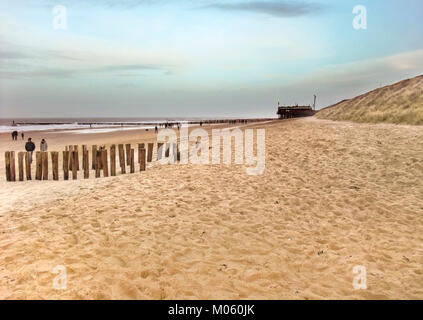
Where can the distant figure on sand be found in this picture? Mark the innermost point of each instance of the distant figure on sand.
(156, 129)
(30, 147)
(23, 135)
(14, 135)
(43, 145)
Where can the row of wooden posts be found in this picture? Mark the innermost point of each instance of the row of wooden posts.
(99, 156)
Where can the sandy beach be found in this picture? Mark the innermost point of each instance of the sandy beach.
(334, 195)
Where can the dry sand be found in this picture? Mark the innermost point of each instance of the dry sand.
(334, 195)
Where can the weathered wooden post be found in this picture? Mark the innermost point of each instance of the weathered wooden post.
(140, 147)
(101, 162)
(104, 162)
(142, 163)
(86, 164)
(97, 163)
(93, 156)
(7, 162)
(74, 165)
(28, 165)
(159, 150)
(113, 160)
(84, 148)
(177, 153)
(38, 166)
(75, 148)
(167, 150)
(70, 157)
(122, 159)
(21, 165)
(132, 160)
(12, 166)
(55, 165)
(44, 160)
(150, 152)
(128, 154)
(66, 165)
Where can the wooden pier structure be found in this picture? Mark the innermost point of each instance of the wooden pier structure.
(286, 112)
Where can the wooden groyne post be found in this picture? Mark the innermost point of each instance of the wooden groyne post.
(28, 159)
(38, 166)
(122, 162)
(75, 161)
(167, 150)
(150, 152)
(142, 158)
(84, 148)
(70, 158)
(55, 165)
(10, 165)
(97, 163)
(159, 150)
(66, 165)
(132, 161)
(104, 163)
(75, 149)
(21, 156)
(86, 164)
(113, 160)
(44, 160)
(93, 156)
(140, 147)
(128, 154)
(7, 164)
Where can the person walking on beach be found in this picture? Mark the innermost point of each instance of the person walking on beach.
(156, 129)
(23, 135)
(43, 145)
(30, 147)
(14, 135)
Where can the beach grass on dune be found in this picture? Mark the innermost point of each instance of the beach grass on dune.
(400, 103)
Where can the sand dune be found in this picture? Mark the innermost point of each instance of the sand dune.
(401, 102)
(334, 195)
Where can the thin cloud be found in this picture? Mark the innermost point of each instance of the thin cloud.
(26, 71)
(22, 54)
(132, 67)
(7, 54)
(277, 9)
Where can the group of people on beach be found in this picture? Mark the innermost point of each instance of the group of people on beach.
(30, 146)
(170, 125)
(15, 135)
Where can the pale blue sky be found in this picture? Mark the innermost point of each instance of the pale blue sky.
(150, 58)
